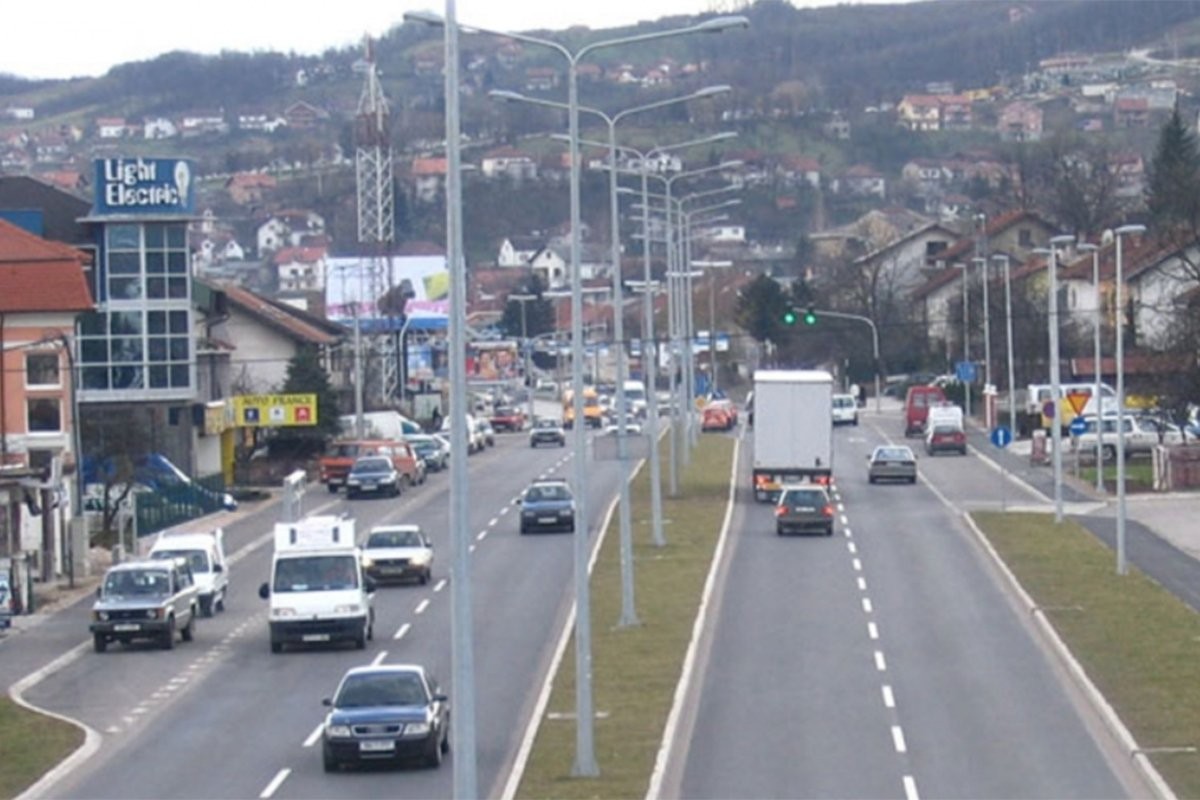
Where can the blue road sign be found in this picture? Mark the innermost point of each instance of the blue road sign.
(1078, 426)
(965, 371)
(1001, 436)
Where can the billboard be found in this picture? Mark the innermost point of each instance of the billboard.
(274, 410)
(354, 285)
(143, 186)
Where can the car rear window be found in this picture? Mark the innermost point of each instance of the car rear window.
(804, 497)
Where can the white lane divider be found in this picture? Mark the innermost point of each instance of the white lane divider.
(275, 783)
(852, 547)
(910, 788)
(866, 603)
(880, 664)
(862, 584)
(379, 658)
(504, 510)
(872, 630)
(403, 630)
(889, 699)
(898, 739)
(437, 587)
(492, 522)
(857, 565)
(315, 735)
(421, 606)
(479, 537)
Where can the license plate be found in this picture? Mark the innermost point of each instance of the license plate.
(315, 637)
(547, 520)
(377, 747)
(803, 509)
(128, 626)
(368, 486)
(391, 570)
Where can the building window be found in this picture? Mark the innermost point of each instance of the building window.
(41, 370)
(1025, 237)
(41, 459)
(45, 415)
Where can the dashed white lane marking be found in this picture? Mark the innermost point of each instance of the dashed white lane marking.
(437, 587)
(504, 510)
(403, 630)
(315, 735)
(889, 699)
(421, 606)
(910, 788)
(841, 506)
(479, 537)
(492, 522)
(379, 658)
(880, 663)
(471, 549)
(862, 584)
(898, 739)
(275, 783)
(857, 565)
(542, 477)
(852, 547)
(845, 531)
(872, 630)
(845, 520)
(866, 603)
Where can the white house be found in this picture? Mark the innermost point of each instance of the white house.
(301, 269)
(110, 127)
(518, 251)
(508, 161)
(159, 128)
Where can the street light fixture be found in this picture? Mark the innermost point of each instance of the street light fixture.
(1055, 380)
(1121, 233)
(1088, 247)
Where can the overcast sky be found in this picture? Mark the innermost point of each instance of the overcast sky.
(67, 38)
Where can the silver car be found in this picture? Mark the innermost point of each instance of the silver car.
(892, 462)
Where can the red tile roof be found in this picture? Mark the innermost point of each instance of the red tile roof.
(39, 275)
(292, 321)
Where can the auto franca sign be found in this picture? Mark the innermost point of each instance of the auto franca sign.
(144, 186)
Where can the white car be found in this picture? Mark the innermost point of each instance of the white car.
(845, 409)
(397, 553)
(1142, 435)
(632, 426)
(475, 440)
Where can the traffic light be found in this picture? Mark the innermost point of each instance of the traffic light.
(810, 316)
(789, 317)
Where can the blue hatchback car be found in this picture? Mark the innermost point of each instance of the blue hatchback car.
(548, 506)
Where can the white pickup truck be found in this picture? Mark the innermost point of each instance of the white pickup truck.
(204, 551)
(1142, 435)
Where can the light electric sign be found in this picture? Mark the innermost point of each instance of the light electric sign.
(144, 186)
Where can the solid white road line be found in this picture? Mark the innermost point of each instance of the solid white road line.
(275, 783)
(898, 739)
(403, 630)
(421, 606)
(910, 788)
(889, 699)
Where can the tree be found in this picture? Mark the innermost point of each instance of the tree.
(760, 308)
(306, 375)
(539, 313)
(114, 438)
(1173, 187)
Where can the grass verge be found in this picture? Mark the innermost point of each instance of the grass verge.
(31, 744)
(635, 669)
(1139, 644)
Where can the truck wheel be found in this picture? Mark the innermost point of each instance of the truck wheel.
(189, 631)
(1109, 452)
(167, 642)
(99, 643)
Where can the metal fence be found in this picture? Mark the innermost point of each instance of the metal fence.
(171, 505)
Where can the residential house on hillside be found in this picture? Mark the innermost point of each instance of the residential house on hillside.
(861, 180)
(796, 170)
(248, 188)
(290, 227)
(265, 123)
(919, 112)
(266, 334)
(428, 177)
(159, 128)
(518, 251)
(203, 123)
(43, 289)
(510, 162)
(1020, 121)
(111, 128)
(304, 116)
(301, 269)
(541, 79)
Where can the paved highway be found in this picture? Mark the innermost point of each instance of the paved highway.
(223, 717)
(886, 661)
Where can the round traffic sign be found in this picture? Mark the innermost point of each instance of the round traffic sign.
(1048, 409)
(1001, 436)
(1078, 426)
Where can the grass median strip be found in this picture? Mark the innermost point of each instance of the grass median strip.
(1139, 644)
(635, 670)
(31, 744)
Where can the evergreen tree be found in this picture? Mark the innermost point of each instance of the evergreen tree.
(306, 375)
(539, 313)
(1173, 189)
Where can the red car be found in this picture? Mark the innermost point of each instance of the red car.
(507, 418)
(717, 418)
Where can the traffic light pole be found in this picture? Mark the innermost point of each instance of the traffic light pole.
(810, 318)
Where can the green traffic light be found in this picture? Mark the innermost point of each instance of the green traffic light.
(810, 317)
(789, 317)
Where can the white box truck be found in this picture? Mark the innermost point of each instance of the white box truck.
(318, 591)
(793, 429)
(204, 550)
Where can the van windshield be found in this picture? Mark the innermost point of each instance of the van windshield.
(315, 574)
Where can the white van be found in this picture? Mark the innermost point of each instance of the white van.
(635, 398)
(204, 551)
(318, 592)
(1038, 394)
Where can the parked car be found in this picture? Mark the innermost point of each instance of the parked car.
(845, 409)
(385, 713)
(547, 431)
(548, 505)
(892, 463)
(508, 418)
(916, 407)
(431, 450)
(716, 418)
(1142, 435)
(398, 553)
(804, 509)
(152, 599)
(373, 475)
(475, 439)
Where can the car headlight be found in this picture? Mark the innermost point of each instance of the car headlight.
(337, 731)
(368, 562)
(353, 481)
(422, 558)
(101, 616)
(153, 613)
(348, 608)
(416, 729)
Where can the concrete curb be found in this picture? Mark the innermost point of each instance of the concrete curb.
(1101, 705)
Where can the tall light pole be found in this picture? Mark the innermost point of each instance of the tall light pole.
(1121, 233)
(523, 299)
(1055, 379)
(585, 756)
(1088, 247)
(982, 263)
(1008, 338)
(966, 333)
(712, 267)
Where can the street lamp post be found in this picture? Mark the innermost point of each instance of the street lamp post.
(1088, 247)
(713, 266)
(987, 341)
(966, 334)
(1055, 379)
(1119, 302)
(874, 345)
(1008, 337)
(523, 299)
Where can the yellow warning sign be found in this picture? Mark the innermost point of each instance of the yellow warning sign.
(274, 410)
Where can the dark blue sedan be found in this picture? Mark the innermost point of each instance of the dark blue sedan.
(548, 506)
(388, 714)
